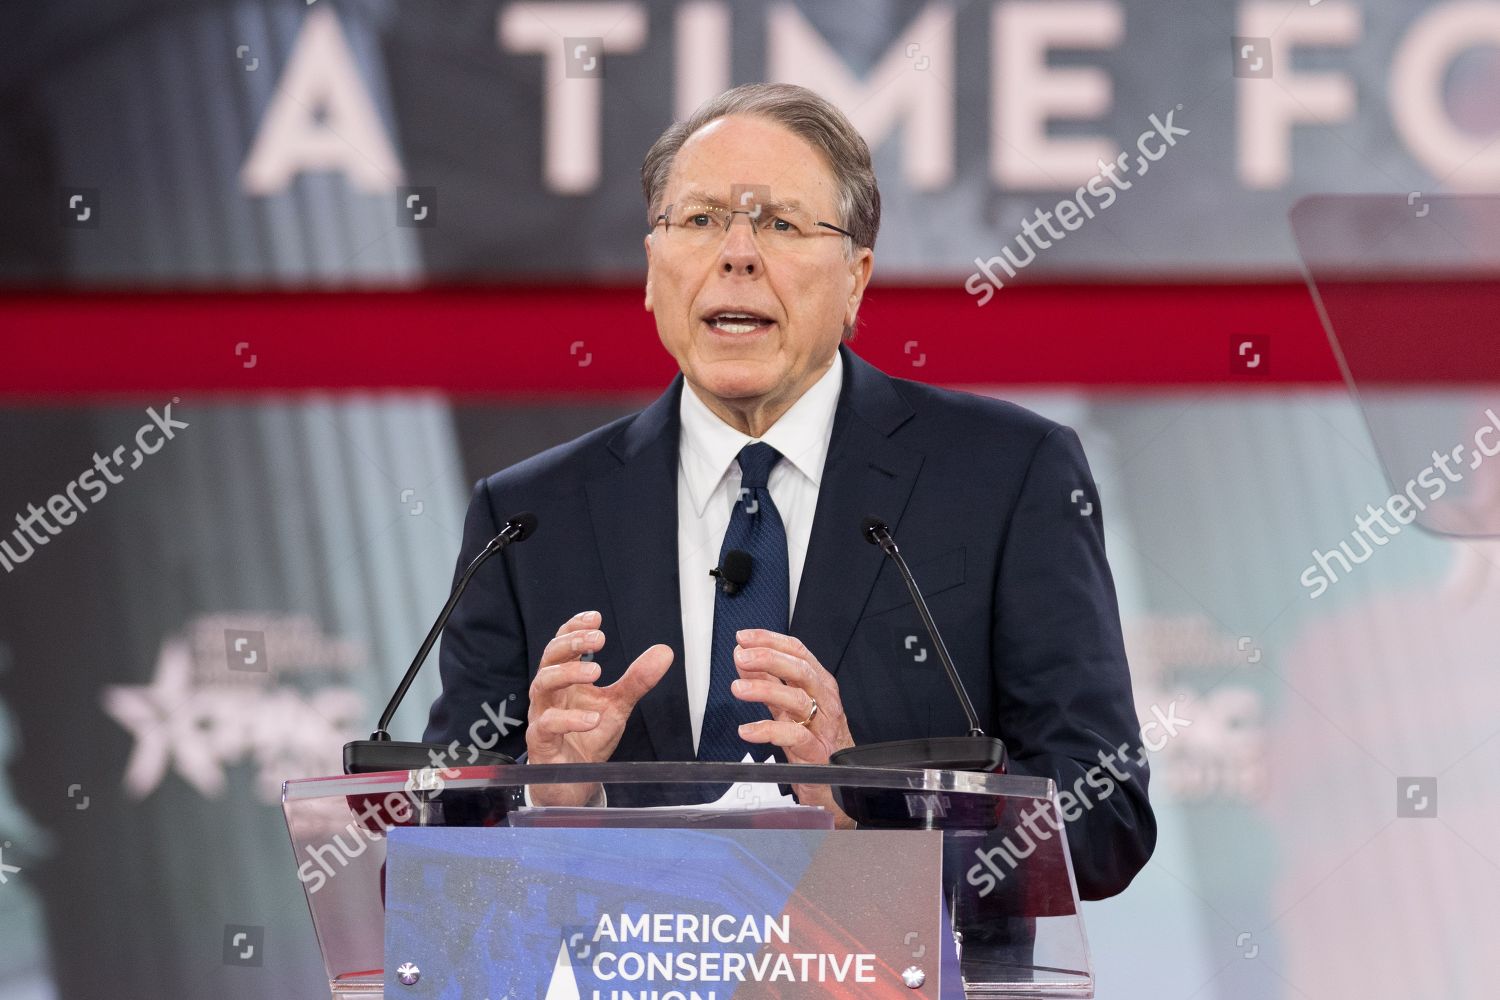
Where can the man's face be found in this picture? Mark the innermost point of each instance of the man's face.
(799, 297)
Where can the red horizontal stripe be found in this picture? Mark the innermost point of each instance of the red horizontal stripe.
(555, 340)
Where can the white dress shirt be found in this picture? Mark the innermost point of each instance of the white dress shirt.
(708, 484)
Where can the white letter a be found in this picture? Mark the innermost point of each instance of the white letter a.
(321, 77)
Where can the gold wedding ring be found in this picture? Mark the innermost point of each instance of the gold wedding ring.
(811, 715)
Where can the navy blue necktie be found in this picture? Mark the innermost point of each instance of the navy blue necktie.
(762, 602)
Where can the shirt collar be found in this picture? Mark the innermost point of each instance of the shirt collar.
(709, 445)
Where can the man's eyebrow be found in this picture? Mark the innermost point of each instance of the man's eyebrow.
(699, 197)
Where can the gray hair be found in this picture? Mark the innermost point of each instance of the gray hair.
(805, 114)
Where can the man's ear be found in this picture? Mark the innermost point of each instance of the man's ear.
(860, 269)
(648, 272)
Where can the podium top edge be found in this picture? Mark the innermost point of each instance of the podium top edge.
(679, 772)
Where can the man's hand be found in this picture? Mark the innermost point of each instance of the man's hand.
(781, 673)
(573, 721)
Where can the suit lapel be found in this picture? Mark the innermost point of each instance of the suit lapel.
(634, 511)
(865, 473)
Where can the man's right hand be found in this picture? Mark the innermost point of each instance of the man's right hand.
(571, 720)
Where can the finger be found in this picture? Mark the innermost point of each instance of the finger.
(551, 681)
(641, 676)
(566, 720)
(789, 644)
(571, 645)
(791, 701)
(794, 739)
(785, 667)
(547, 730)
(584, 619)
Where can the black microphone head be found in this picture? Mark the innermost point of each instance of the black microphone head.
(871, 528)
(525, 524)
(736, 567)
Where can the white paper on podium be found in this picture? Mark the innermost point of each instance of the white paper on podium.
(747, 794)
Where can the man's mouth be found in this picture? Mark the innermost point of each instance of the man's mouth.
(737, 322)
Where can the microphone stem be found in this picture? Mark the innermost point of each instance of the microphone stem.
(497, 543)
(889, 545)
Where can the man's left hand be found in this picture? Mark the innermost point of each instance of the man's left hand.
(781, 673)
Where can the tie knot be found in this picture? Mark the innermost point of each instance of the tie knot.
(756, 461)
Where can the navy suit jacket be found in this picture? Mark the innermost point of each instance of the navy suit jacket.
(980, 495)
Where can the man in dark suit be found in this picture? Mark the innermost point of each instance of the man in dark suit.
(776, 440)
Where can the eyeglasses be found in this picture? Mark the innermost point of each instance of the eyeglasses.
(776, 228)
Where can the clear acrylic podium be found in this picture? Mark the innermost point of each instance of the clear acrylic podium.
(1007, 882)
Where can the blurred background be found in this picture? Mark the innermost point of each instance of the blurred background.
(280, 280)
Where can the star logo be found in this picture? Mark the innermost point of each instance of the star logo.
(155, 714)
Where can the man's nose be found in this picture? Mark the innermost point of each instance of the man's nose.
(739, 254)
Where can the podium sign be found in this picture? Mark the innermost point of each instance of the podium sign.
(663, 914)
(480, 888)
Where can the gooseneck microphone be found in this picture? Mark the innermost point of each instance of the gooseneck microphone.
(974, 752)
(380, 752)
(733, 572)
(877, 532)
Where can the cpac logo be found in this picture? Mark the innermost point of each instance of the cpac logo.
(196, 718)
